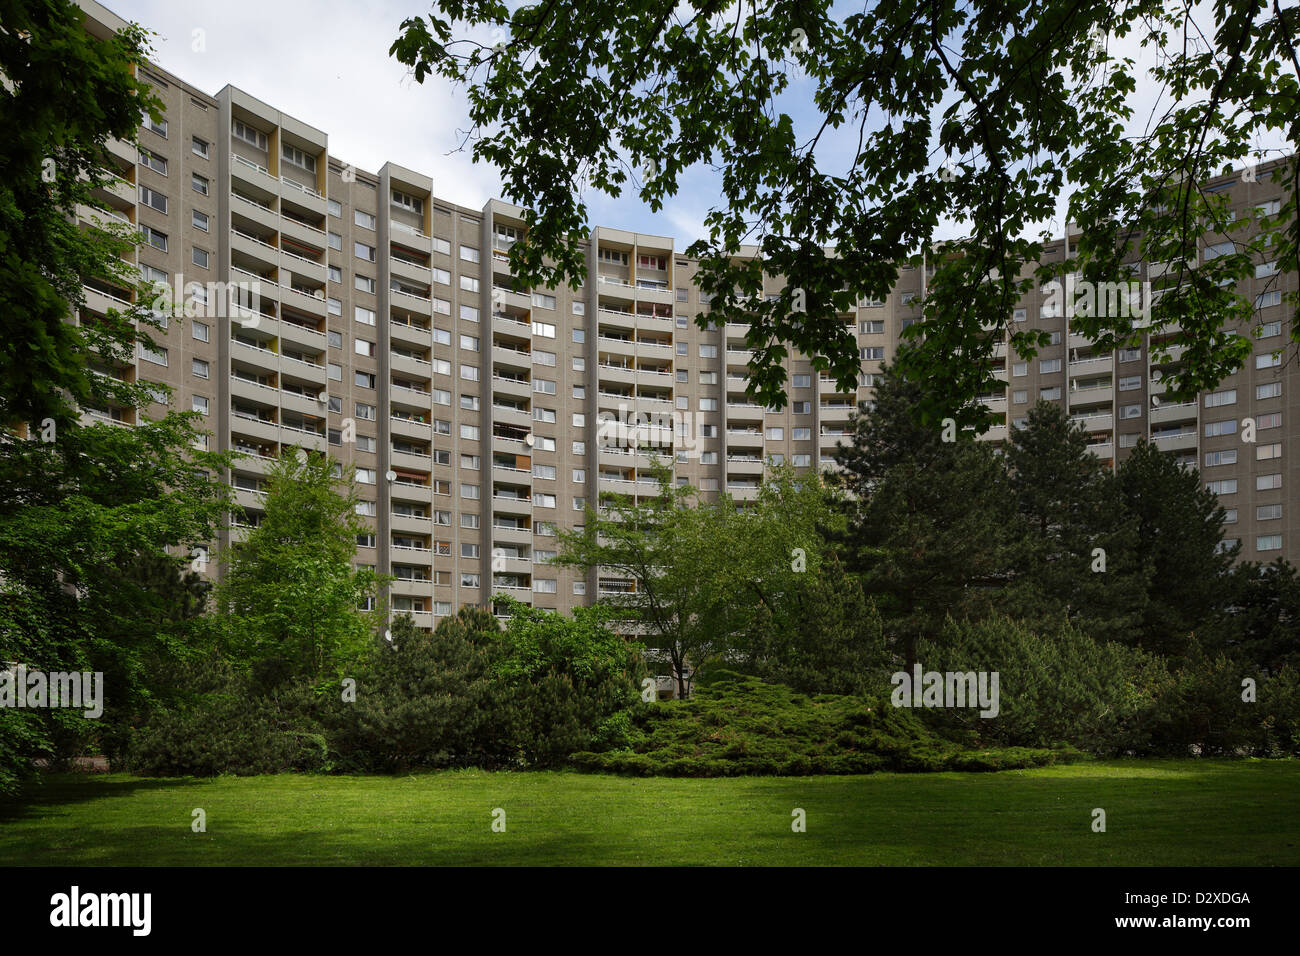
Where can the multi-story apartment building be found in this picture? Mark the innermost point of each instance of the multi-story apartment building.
(388, 332)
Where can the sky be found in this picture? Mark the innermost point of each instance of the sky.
(326, 63)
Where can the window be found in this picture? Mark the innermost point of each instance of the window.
(468, 580)
(469, 254)
(154, 238)
(366, 476)
(580, 448)
(1018, 315)
(1052, 394)
(199, 184)
(200, 220)
(469, 373)
(1270, 329)
(1268, 452)
(468, 284)
(363, 219)
(364, 316)
(199, 147)
(1227, 486)
(542, 301)
(1268, 512)
(1268, 360)
(1218, 249)
(1215, 429)
(579, 308)
(362, 347)
(873, 327)
(336, 242)
(801, 434)
(775, 433)
(153, 161)
(874, 353)
(199, 257)
(1128, 440)
(469, 313)
(335, 372)
(1020, 397)
(544, 386)
(199, 368)
(544, 471)
(579, 420)
(365, 379)
(1271, 420)
(1047, 366)
(1130, 411)
(469, 432)
(158, 357)
(469, 402)
(709, 404)
(364, 411)
(801, 408)
(364, 284)
(579, 587)
(1268, 542)
(363, 251)
(544, 329)
(299, 158)
(1213, 458)
(199, 404)
(469, 521)
(1268, 482)
(1216, 399)
(1268, 299)
(803, 381)
(1130, 382)
(334, 306)
(412, 204)
(254, 137)
(336, 208)
(1130, 355)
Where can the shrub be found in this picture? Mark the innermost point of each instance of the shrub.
(233, 730)
(1055, 688)
(739, 725)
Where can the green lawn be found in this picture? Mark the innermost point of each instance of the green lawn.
(1157, 812)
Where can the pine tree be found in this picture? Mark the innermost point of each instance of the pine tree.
(1179, 525)
(1082, 556)
(932, 527)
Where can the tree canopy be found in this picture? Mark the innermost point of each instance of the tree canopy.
(873, 132)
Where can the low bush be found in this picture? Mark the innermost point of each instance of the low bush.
(738, 725)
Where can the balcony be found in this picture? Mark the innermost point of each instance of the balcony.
(410, 428)
(419, 368)
(1179, 441)
(410, 334)
(1102, 422)
(1092, 397)
(1174, 412)
(412, 524)
(520, 388)
(255, 175)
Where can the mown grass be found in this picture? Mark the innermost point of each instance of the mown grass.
(1201, 812)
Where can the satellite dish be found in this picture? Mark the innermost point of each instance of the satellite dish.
(529, 440)
(1155, 401)
(391, 476)
(388, 636)
(1156, 376)
(323, 397)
